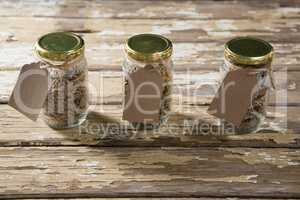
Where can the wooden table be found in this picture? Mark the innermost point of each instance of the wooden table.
(176, 161)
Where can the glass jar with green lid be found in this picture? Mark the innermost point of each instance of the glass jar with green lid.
(62, 54)
(254, 54)
(150, 51)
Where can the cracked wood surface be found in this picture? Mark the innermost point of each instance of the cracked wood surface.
(134, 9)
(179, 160)
(189, 126)
(198, 29)
(197, 87)
(138, 172)
(105, 52)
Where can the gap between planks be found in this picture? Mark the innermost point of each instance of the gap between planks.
(153, 198)
(81, 196)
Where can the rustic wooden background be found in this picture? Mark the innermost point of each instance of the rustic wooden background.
(177, 161)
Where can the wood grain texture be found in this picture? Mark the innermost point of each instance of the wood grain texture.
(156, 172)
(196, 28)
(107, 54)
(146, 9)
(187, 158)
(116, 30)
(193, 87)
(188, 126)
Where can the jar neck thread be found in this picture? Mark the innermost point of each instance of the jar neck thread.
(61, 64)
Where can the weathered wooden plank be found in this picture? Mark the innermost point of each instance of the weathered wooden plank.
(117, 30)
(156, 172)
(105, 56)
(190, 86)
(188, 126)
(104, 37)
(187, 56)
(148, 10)
(105, 42)
(69, 172)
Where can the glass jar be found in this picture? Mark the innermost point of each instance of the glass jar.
(146, 50)
(256, 54)
(62, 54)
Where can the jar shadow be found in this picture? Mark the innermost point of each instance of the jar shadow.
(97, 130)
(181, 130)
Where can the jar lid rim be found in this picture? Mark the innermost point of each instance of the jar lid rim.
(248, 50)
(148, 47)
(59, 46)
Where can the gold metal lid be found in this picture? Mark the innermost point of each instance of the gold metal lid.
(59, 46)
(148, 47)
(248, 51)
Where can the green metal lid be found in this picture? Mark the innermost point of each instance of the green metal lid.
(248, 51)
(59, 46)
(148, 47)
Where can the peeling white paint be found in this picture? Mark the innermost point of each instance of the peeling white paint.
(111, 32)
(112, 46)
(14, 55)
(231, 179)
(271, 157)
(91, 164)
(226, 24)
(174, 26)
(292, 85)
(199, 158)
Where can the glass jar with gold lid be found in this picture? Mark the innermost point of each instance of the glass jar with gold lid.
(255, 54)
(62, 54)
(148, 56)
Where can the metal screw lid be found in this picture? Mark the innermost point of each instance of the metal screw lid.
(148, 47)
(59, 46)
(248, 51)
